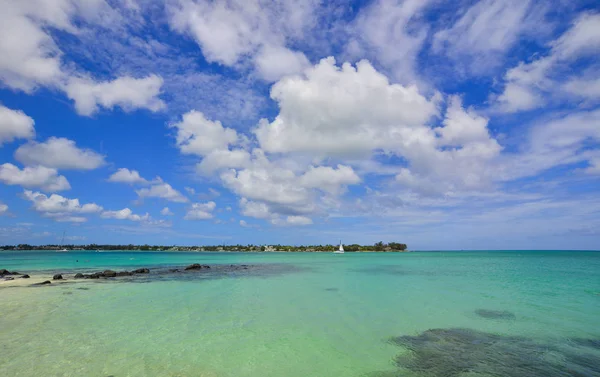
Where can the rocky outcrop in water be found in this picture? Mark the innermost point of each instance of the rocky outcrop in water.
(459, 352)
(141, 271)
(495, 314)
(25, 276)
(57, 277)
(195, 266)
(42, 283)
(4, 272)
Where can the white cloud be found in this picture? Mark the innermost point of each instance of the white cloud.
(129, 93)
(585, 87)
(162, 190)
(528, 85)
(484, 33)
(3, 209)
(35, 59)
(391, 32)
(166, 212)
(125, 175)
(124, 214)
(33, 177)
(329, 179)
(59, 204)
(244, 224)
(273, 63)
(223, 159)
(14, 124)
(294, 220)
(200, 211)
(347, 111)
(228, 31)
(58, 153)
(60, 208)
(200, 136)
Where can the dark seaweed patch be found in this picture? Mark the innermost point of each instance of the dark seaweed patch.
(461, 352)
(332, 289)
(495, 314)
(590, 343)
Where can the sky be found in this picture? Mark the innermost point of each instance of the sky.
(440, 124)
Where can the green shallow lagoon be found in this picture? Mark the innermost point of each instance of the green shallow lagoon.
(322, 315)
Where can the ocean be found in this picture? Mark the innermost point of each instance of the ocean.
(418, 314)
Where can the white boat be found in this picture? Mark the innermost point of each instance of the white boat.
(340, 250)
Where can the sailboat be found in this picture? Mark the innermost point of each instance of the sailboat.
(62, 241)
(340, 250)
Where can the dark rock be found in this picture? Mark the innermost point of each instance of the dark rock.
(205, 266)
(174, 270)
(461, 352)
(495, 314)
(194, 266)
(124, 273)
(95, 275)
(43, 283)
(590, 343)
(331, 289)
(9, 278)
(109, 274)
(141, 271)
(57, 277)
(25, 276)
(79, 275)
(7, 272)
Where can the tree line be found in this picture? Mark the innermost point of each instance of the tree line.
(379, 246)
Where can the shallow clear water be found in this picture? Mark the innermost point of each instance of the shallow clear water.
(319, 315)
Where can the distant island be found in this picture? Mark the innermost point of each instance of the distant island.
(377, 247)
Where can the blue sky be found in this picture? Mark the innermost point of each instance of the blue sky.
(441, 124)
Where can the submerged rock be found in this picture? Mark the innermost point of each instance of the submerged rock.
(124, 273)
(25, 276)
(141, 271)
(109, 274)
(495, 314)
(57, 277)
(194, 266)
(465, 352)
(79, 275)
(43, 283)
(9, 278)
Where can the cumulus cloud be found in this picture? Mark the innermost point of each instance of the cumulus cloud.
(228, 31)
(14, 124)
(3, 209)
(129, 93)
(124, 214)
(162, 190)
(528, 85)
(199, 136)
(344, 111)
(125, 175)
(60, 208)
(33, 177)
(166, 212)
(200, 211)
(37, 61)
(58, 153)
(329, 179)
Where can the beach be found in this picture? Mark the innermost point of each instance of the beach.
(301, 314)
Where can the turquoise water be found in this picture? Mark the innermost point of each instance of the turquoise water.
(305, 314)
